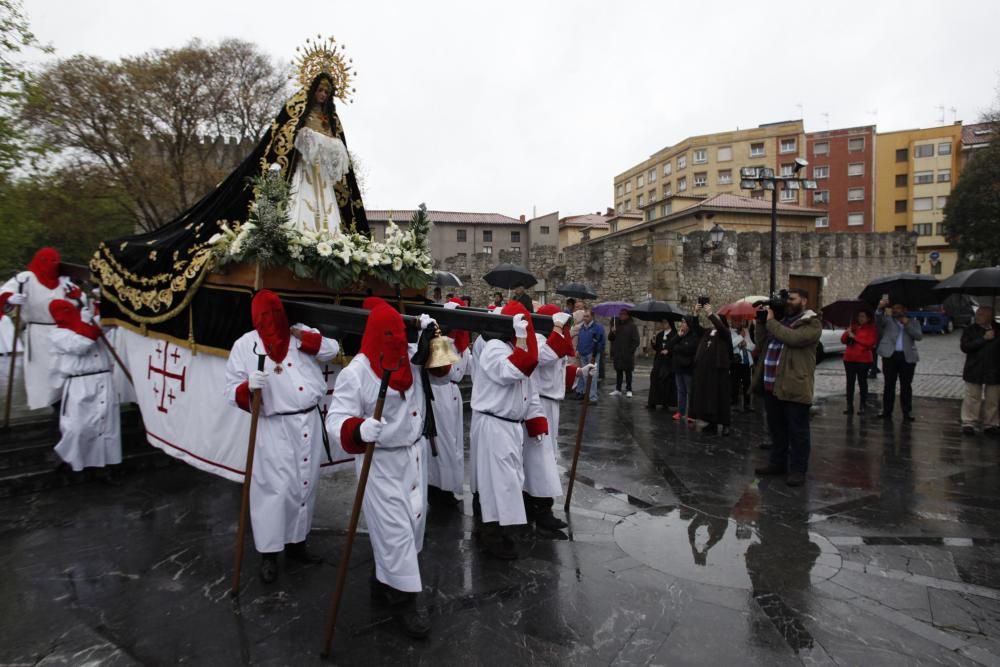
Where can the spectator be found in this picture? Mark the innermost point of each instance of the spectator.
(982, 377)
(787, 374)
(710, 393)
(624, 343)
(860, 339)
(897, 347)
(682, 352)
(436, 298)
(570, 305)
(590, 345)
(521, 296)
(662, 388)
(741, 369)
(498, 299)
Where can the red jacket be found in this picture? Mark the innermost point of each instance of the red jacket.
(865, 340)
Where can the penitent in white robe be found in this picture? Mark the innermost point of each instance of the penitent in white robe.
(447, 470)
(502, 400)
(395, 504)
(541, 474)
(40, 383)
(89, 421)
(323, 163)
(289, 447)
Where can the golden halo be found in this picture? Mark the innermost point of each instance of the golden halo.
(324, 56)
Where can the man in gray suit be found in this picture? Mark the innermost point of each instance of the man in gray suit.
(897, 347)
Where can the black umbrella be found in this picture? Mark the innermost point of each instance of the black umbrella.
(841, 313)
(445, 279)
(910, 289)
(655, 311)
(977, 282)
(509, 276)
(576, 290)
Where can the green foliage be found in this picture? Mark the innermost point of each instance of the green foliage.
(15, 37)
(972, 214)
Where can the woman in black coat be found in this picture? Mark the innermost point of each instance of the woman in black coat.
(662, 388)
(711, 399)
(683, 348)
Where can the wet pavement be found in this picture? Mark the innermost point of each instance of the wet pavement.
(675, 555)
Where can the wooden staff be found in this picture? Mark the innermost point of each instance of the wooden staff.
(247, 478)
(114, 354)
(13, 360)
(352, 527)
(579, 431)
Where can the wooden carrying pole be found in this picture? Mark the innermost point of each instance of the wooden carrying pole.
(13, 360)
(352, 527)
(247, 478)
(114, 353)
(579, 432)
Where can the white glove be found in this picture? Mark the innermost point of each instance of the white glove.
(17, 299)
(86, 315)
(371, 429)
(257, 380)
(96, 292)
(561, 319)
(587, 369)
(426, 320)
(451, 305)
(520, 326)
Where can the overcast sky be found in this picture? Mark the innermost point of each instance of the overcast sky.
(510, 107)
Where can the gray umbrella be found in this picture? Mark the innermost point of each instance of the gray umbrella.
(656, 311)
(445, 279)
(576, 291)
(509, 276)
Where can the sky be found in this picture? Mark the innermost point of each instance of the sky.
(534, 107)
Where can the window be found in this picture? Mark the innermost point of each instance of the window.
(923, 150)
(936, 268)
(638, 181)
(902, 155)
(667, 190)
(628, 205)
(900, 180)
(650, 213)
(856, 169)
(628, 187)
(821, 196)
(923, 177)
(942, 201)
(725, 154)
(700, 179)
(923, 203)
(940, 229)
(544, 230)
(682, 184)
(487, 236)
(618, 191)
(899, 228)
(821, 148)
(855, 194)
(651, 176)
(461, 254)
(725, 177)
(788, 170)
(945, 148)
(823, 221)
(460, 236)
(682, 162)
(700, 156)
(666, 209)
(924, 229)
(668, 168)
(757, 149)
(515, 237)
(487, 250)
(856, 144)
(855, 219)
(821, 172)
(788, 145)
(789, 195)
(639, 200)
(944, 175)
(900, 206)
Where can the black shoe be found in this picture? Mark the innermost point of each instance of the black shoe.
(548, 521)
(968, 430)
(109, 478)
(849, 410)
(861, 410)
(440, 498)
(413, 619)
(477, 509)
(769, 469)
(884, 415)
(907, 417)
(299, 552)
(726, 430)
(496, 543)
(765, 445)
(795, 479)
(991, 430)
(269, 568)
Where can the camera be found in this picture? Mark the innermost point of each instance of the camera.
(703, 300)
(776, 302)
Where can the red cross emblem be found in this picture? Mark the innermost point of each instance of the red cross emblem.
(165, 393)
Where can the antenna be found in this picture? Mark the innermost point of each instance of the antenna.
(802, 110)
(940, 108)
(826, 117)
(954, 114)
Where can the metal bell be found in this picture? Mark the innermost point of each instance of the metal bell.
(442, 352)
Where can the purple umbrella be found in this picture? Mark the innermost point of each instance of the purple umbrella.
(611, 308)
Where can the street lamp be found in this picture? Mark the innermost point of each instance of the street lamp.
(764, 178)
(716, 234)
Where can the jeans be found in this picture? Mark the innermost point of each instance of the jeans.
(683, 381)
(856, 370)
(628, 380)
(580, 385)
(896, 367)
(789, 426)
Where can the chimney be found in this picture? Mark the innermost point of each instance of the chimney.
(522, 217)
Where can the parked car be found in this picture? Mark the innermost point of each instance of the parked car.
(961, 308)
(933, 319)
(829, 341)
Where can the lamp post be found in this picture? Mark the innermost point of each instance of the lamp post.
(716, 234)
(756, 178)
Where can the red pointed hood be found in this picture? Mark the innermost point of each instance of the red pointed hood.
(459, 336)
(271, 324)
(384, 343)
(45, 266)
(64, 314)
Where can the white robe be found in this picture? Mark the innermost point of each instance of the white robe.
(501, 389)
(447, 470)
(289, 447)
(395, 504)
(40, 382)
(323, 162)
(90, 422)
(541, 474)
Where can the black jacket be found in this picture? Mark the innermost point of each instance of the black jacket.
(981, 356)
(623, 345)
(684, 348)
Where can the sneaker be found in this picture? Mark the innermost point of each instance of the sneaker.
(968, 430)
(616, 393)
(628, 394)
(676, 417)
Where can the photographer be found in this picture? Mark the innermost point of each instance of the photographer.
(786, 373)
(897, 347)
(710, 393)
(860, 340)
(982, 377)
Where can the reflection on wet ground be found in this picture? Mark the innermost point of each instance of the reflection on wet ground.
(675, 554)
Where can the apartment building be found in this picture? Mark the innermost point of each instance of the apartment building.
(842, 162)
